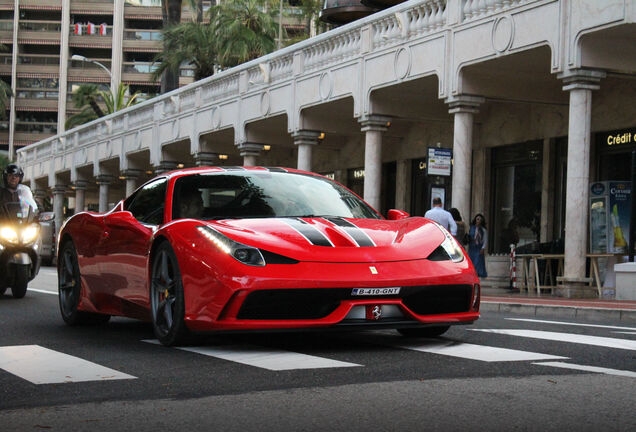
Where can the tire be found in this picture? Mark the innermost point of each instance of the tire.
(69, 290)
(20, 281)
(428, 332)
(167, 300)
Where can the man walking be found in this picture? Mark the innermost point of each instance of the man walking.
(441, 216)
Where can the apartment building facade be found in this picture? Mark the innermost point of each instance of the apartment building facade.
(48, 43)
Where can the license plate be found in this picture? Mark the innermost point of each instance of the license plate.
(375, 291)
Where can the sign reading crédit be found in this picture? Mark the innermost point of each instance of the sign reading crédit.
(621, 137)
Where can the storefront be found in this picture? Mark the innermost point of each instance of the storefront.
(515, 195)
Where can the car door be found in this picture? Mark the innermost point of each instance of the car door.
(125, 247)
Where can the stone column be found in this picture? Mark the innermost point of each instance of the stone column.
(463, 108)
(250, 151)
(131, 176)
(80, 196)
(118, 40)
(305, 140)
(165, 166)
(205, 159)
(58, 206)
(64, 60)
(373, 126)
(104, 182)
(580, 84)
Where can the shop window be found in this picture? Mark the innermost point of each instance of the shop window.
(516, 213)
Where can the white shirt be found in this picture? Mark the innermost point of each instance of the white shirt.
(443, 218)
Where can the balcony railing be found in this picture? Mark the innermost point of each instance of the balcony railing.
(36, 127)
(143, 35)
(140, 67)
(39, 59)
(36, 94)
(40, 26)
(6, 25)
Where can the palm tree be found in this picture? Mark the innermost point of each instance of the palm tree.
(88, 97)
(188, 43)
(5, 92)
(244, 30)
(171, 15)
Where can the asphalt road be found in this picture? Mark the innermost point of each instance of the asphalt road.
(503, 373)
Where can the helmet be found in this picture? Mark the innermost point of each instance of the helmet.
(12, 169)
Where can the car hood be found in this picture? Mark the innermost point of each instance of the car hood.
(334, 239)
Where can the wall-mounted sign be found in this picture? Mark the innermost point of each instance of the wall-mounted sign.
(439, 161)
(358, 174)
(615, 138)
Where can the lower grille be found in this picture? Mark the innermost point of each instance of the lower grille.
(316, 303)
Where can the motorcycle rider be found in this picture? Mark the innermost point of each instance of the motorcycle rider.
(12, 178)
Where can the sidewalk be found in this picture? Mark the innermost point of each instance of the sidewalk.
(556, 307)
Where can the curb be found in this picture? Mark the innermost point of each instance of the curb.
(568, 312)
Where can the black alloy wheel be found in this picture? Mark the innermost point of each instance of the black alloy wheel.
(69, 286)
(428, 332)
(167, 299)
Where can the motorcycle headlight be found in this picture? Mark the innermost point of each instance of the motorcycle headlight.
(242, 253)
(9, 235)
(30, 234)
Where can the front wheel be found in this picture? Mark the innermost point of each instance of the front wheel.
(166, 298)
(429, 332)
(20, 281)
(69, 285)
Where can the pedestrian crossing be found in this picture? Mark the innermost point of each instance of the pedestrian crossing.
(40, 365)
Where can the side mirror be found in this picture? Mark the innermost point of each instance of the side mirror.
(395, 214)
(120, 219)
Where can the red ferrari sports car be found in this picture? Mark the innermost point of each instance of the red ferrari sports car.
(234, 249)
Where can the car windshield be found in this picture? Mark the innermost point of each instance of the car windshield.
(260, 194)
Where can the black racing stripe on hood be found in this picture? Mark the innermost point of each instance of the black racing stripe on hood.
(359, 236)
(308, 231)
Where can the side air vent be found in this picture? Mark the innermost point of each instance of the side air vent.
(438, 254)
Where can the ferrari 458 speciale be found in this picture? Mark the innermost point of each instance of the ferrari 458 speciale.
(241, 249)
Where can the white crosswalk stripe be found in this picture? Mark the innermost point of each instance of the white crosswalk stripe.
(41, 365)
(265, 358)
(572, 324)
(567, 337)
(584, 368)
(478, 352)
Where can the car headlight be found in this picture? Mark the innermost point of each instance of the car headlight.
(9, 235)
(242, 253)
(450, 245)
(30, 234)
(453, 250)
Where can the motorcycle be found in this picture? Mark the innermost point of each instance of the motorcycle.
(19, 244)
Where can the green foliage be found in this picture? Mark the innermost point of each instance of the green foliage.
(188, 43)
(5, 95)
(89, 99)
(5, 92)
(4, 161)
(244, 30)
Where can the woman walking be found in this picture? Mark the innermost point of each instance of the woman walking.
(478, 240)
